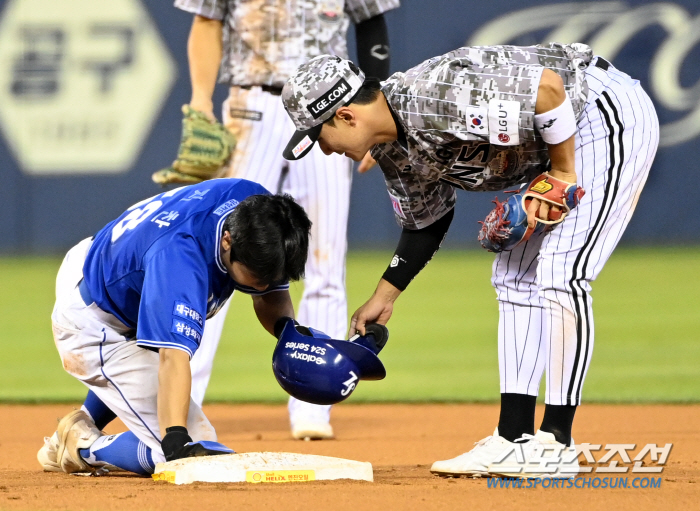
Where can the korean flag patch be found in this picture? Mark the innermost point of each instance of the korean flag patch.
(477, 120)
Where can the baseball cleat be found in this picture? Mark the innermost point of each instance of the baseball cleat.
(307, 430)
(309, 421)
(75, 431)
(47, 454)
(538, 456)
(475, 462)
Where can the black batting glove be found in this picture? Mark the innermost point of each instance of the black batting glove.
(174, 442)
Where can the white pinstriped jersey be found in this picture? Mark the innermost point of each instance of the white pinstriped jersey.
(265, 41)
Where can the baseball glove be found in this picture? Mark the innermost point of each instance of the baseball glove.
(506, 227)
(204, 149)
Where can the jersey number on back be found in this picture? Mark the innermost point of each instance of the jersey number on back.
(138, 213)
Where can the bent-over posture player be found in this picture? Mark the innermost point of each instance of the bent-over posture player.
(257, 45)
(132, 303)
(488, 118)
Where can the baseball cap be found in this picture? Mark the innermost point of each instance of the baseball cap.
(312, 95)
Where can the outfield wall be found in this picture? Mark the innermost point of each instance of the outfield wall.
(90, 96)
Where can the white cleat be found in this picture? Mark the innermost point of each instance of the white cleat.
(305, 430)
(47, 454)
(309, 421)
(538, 456)
(75, 431)
(475, 462)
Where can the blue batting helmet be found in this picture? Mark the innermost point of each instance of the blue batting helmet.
(312, 367)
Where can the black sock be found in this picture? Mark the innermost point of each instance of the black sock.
(517, 416)
(558, 420)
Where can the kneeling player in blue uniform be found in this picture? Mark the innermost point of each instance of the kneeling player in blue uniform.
(131, 304)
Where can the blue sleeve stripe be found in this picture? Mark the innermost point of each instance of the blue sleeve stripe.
(182, 347)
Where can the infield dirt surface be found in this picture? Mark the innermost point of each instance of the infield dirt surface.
(401, 442)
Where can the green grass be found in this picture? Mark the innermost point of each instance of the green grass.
(443, 333)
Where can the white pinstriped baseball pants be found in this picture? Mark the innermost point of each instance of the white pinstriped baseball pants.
(543, 287)
(320, 183)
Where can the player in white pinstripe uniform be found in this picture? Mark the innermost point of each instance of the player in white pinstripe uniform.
(488, 118)
(259, 43)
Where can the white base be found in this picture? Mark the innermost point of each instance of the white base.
(261, 467)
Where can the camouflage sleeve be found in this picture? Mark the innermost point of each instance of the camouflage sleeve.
(212, 9)
(361, 10)
(418, 202)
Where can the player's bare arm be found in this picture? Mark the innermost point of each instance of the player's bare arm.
(377, 309)
(550, 96)
(174, 381)
(204, 51)
(272, 306)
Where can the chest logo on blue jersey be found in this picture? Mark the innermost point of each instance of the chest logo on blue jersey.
(185, 311)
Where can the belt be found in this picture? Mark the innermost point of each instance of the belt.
(272, 89)
(602, 63)
(85, 292)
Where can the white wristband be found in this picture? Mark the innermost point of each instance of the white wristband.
(557, 125)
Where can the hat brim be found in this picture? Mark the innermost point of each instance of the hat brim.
(301, 143)
(371, 368)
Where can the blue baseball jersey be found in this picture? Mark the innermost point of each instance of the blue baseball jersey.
(158, 268)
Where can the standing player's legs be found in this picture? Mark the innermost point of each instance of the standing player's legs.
(615, 146)
(122, 378)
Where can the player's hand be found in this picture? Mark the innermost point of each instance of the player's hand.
(377, 309)
(543, 210)
(367, 163)
(177, 444)
(206, 107)
(548, 211)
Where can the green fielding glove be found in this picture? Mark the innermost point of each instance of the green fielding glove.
(205, 148)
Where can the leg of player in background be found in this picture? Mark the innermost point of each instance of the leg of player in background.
(321, 184)
(202, 362)
(252, 159)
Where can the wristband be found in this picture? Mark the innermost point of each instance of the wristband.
(558, 124)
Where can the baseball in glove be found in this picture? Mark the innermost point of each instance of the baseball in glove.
(506, 227)
(205, 148)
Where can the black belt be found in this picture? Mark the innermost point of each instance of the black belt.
(272, 89)
(602, 63)
(85, 292)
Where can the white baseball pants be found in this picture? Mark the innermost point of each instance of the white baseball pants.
(95, 348)
(544, 286)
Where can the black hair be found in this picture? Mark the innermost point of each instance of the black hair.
(270, 237)
(368, 93)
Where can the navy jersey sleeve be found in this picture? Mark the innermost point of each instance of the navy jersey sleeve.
(174, 298)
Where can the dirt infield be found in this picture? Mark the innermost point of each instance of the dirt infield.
(401, 442)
